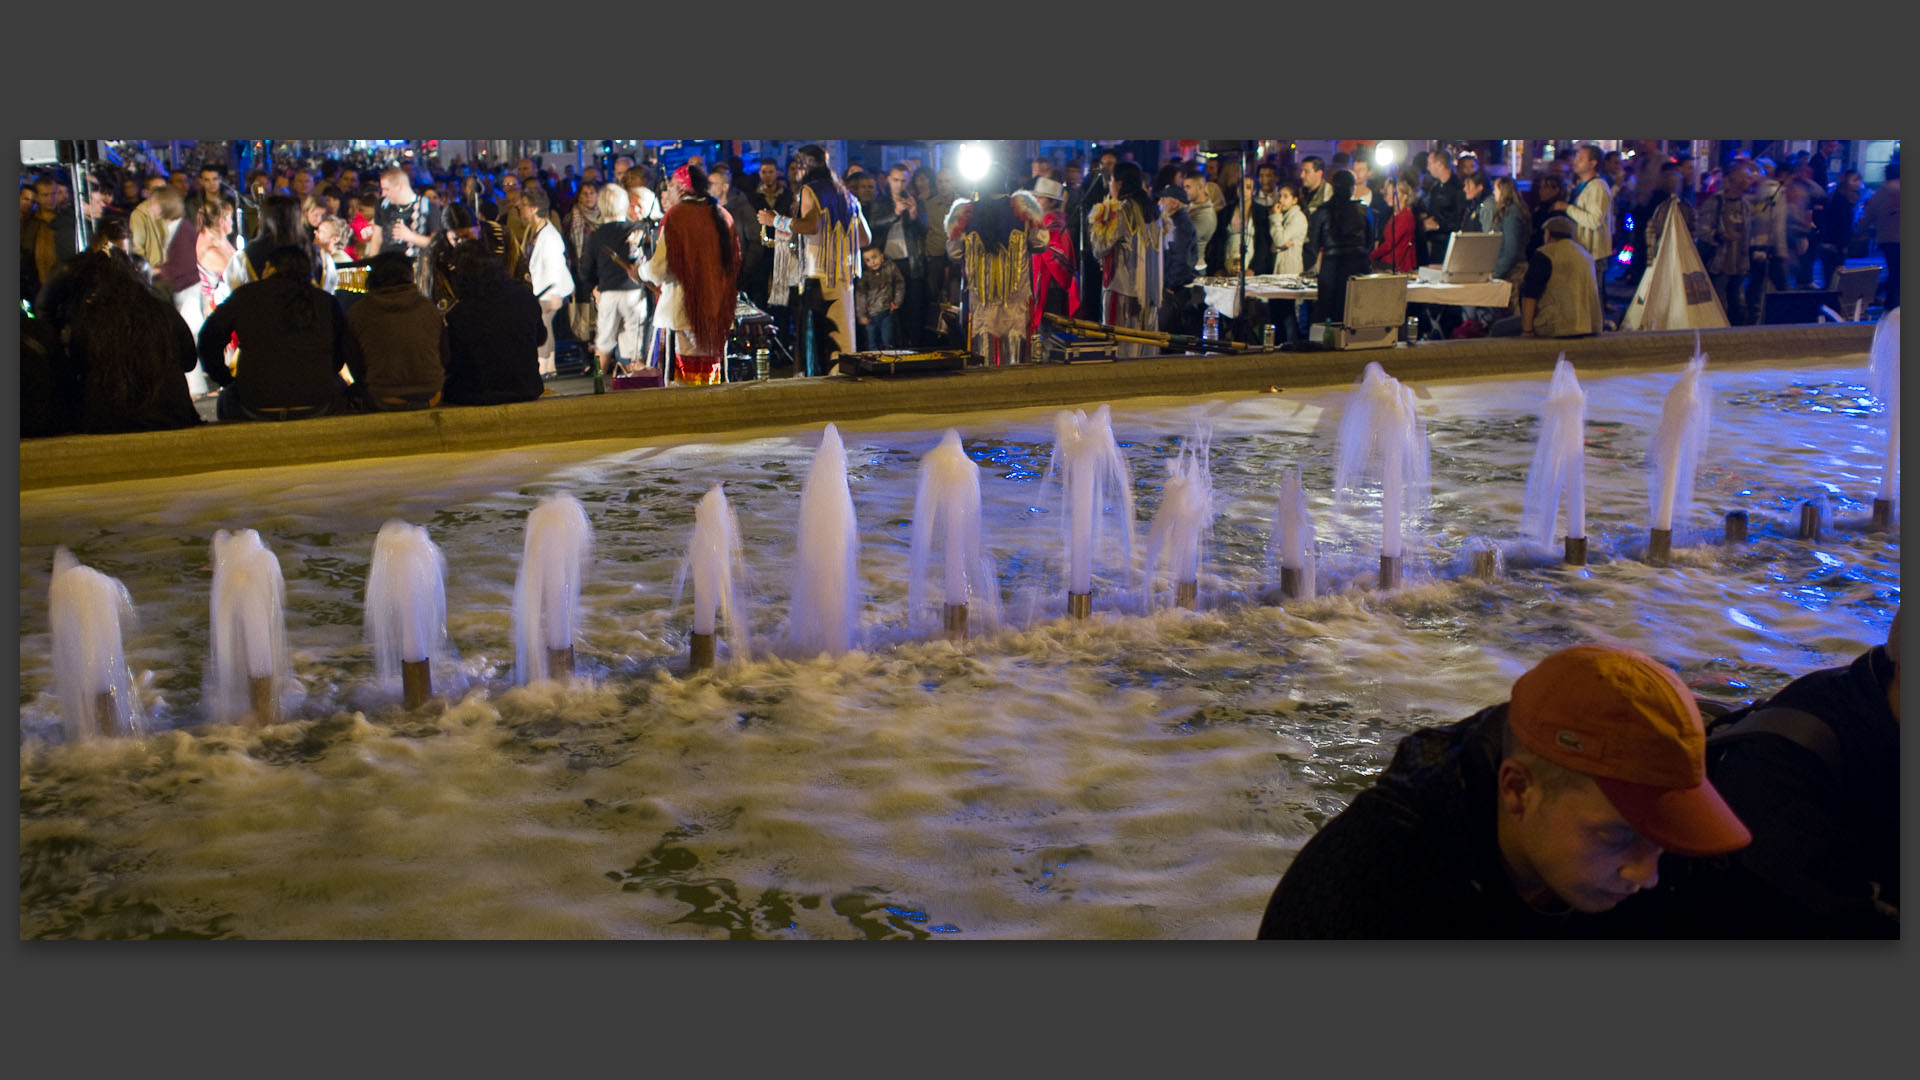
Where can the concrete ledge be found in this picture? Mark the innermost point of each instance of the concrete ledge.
(649, 414)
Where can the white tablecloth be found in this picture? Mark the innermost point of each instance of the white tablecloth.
(1223, 293)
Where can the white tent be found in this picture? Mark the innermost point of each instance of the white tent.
(1675, 293)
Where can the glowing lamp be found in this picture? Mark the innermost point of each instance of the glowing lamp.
(974, 161)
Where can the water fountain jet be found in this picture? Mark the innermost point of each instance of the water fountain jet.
(826, 563)
(87, 610)
(406, 612)
(1380, 424)
(1091, 469)
(248, 630)
(546, 594)
(1885, 366)
(1291, 544)
(1185, 514)
(946, 515)
(714, 561)
(1684, 424)
(1557, 475)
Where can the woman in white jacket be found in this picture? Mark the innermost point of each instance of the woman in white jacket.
(1288, 226)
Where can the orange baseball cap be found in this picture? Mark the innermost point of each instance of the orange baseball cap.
(1628, 722)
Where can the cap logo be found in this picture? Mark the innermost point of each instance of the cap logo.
(1571, 741)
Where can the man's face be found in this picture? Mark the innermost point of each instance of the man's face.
(1583, 162)
(525, 169)
(43, 196)
(1196, 188)
(1074, 176)
(1575, 844)
(872, 259)
(302, 184)
(718, 184)
(1107, 162)
(510, 187)
(1436, 167)
(1042, 167)
(1270, 177)
(96, 201)
(388, 187)
(154, 183)
(1470, 183)
(349, 179)
(1469, 166)
(863, 187)
(1310, 175)
(1362, 171)
(209, 182)
(769, 172)
(591, 175)
(897, 182)
(1851, 184)
(1829, 147)
(943, 182)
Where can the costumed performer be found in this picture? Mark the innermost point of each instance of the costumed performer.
(696, 263)
(832, 231)
(993, 238)
(1128, 237)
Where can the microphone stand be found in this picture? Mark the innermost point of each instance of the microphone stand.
(1246, 247)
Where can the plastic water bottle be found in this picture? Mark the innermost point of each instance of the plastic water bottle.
(1213, 324)
(760, 364)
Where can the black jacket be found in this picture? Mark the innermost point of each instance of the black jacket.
(880, 219)
(1446, 204)
(1416, 854)
(104, 384)
(598, 263)
(1339, 229)
(494, 345)
(1183, 246)
(1825, 857)
(293, 342)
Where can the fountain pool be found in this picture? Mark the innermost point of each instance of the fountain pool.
(1130, 775)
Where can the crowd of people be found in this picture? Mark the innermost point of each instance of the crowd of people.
(839, 259)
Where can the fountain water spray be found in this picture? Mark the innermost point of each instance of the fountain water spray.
(87, 609)
(1559, 471)
(406, 611)
(248, 635)
(1684, 424)
(1181, 524)
(1092, 470)
(1886, 386)
(1292, 539)
(546, 595)
(946, 513)
(1380, 424)
(714, 562)
(825, 568)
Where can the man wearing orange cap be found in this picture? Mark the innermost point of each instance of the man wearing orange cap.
(1521, 819)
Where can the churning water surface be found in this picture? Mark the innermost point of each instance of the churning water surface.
(1141, 775)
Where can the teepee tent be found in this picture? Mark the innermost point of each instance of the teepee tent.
(1675, 293)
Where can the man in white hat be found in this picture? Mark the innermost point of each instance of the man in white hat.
(1055, 288)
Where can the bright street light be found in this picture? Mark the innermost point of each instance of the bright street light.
(974, 161)
(1385, 153)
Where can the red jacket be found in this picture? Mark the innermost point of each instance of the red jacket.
(1053, 269)
(1396, 243)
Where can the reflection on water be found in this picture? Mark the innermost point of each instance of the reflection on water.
(1135, 776)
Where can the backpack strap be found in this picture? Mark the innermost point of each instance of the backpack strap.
(1799, 726)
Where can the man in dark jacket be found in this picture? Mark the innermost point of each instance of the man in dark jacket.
(1521, 820)
(400, 337)
(901, 234)
(1440, 209)
(1814, 771)
(1177, 307)
(293, 341)
(756, 258)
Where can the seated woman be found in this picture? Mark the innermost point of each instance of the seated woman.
(115, 351)
(494, 332)
(293, 340)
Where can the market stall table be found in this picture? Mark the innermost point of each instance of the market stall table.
(1223, 293)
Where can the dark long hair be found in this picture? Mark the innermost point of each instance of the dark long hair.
(995, 218)
(281, 225)
(834, 200)
(703, 252)
(478, 274)
(1128, 184)
(123, 338)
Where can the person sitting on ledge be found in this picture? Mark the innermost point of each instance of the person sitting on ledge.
(1558, 298)
(1522, 820)
(1814, 771)
(494, 330)
(293, 340)
(401, 340)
